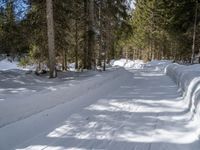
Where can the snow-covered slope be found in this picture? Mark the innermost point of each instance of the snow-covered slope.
(188, 80)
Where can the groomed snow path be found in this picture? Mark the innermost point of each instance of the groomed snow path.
(145, 113)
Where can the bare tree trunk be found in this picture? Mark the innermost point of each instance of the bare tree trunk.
(85, 50)
(100, 38)
(76, 39)
(63, 60)
(126, 54)
(64, 65)
(91, 35)
(194, 33)
(76, 47)
(51, 38)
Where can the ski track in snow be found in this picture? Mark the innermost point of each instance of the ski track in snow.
(145, 112)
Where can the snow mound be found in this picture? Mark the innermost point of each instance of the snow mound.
(126, 63)
(119, 63)
(7, 64)
(157, 65)
(188, 80)
(71, 67)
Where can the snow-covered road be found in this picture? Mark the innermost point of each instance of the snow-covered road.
(145, 112)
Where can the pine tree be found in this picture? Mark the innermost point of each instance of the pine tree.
(9, 29)
(1, 30)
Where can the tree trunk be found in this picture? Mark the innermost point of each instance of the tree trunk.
(91, 35)
(64, 65)
(76, 46)
(100, 36)
(76, 39)
(51, 38)
(85, 49)
(194, 33)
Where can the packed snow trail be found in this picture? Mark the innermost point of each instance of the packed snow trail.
(146, 112)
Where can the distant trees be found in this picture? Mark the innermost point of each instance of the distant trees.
(12, 42)
(163, 29)
(9, 28)
(84, 31)
(1, 28)
(89, 31)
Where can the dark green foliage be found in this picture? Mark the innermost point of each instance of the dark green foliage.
(73, 31)
(162, 29)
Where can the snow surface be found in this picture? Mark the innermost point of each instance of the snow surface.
(188, 80)
(126, 63)
(71, 67)
(7, 64)
(122, 109)
(157, 65)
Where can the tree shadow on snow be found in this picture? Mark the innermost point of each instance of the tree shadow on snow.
(133, 117)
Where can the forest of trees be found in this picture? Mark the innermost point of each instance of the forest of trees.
(60, 31)
(164, 29)
(90, 32)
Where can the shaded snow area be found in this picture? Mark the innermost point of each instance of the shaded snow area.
(188, 80)
(8, 64)
(157, 65)
(153, 107)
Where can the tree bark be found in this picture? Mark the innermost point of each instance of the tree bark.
(76, 37)
(51, 38)
(100, 36)
(85, 50)
(194, 33)
(76, 45)
(91, 35)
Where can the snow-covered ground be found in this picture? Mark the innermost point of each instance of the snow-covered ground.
(7, 64)
(121, 109)
(126, 63)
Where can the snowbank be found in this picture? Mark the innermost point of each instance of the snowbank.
(188, 80)
(126, 63)
(157, 65)
(71, 67)
(7, 64)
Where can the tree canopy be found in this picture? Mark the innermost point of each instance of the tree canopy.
(90, 31)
